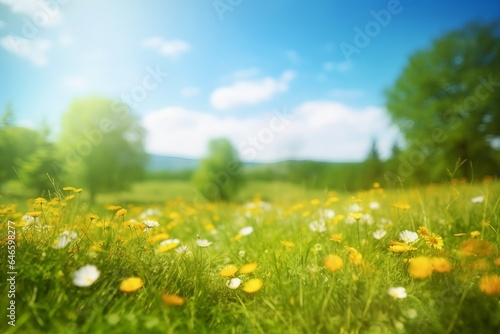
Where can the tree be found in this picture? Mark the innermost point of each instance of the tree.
(447, 104)
(102, 145)
(16, 144)
(219, 176)
(372, 167)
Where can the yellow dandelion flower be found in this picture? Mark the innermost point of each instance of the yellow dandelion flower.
(248, 268)
(69, 188)
(113, 207)
(287, 244)
(336, 237)
(78, 190)
(69, 197)
(121, 212)
(167, 247)
(475, 234)
(441, 264)
(34, 213)
(400, 247)
(497, 261)
(92, 216)
(475, 247)
(315, 201)
(356, 215)
(237, 237)
(172, 300)
(401, 206)
(376, 185)
(40, 201)
(490, 285)
(485, 223)
(355, 257)
(420, 267)
(435, 241)
(459, 234)
(136, 225)
(158, 237)
(131, 284)
(228, 271)
(333, 262)
(479, 265)
(424, 231)
(252, 285)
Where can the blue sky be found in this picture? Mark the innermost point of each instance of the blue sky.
(275, 77)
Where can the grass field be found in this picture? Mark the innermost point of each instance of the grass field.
(423, 260)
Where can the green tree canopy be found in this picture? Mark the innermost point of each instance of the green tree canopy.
(447, 103)
(102, 145)
(219, 176)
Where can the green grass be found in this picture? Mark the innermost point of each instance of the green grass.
(299, 294)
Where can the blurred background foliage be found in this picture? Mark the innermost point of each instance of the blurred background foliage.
(445, 103)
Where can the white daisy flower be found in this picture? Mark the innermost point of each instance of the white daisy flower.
(379, 234)
(247, 230)
(233, 283)
(477, 199)
(203, 243)
(408, 236)
(397, 292)
(86, 275)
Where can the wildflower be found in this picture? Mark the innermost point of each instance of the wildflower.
(247, 230)
(356, 215)
(78, 190)
(424, 231)
(34, 214)
(333, 262)
(400, 247)
(477, 199)
(248, 268)
(441, 264)
(69, 188)
(131, 284)
(475, 234)
(64, 239)
(228, 271)
(318, 247)
(40, 201)
(374, 205)
(475, 247)
(233, 283)
(435, 241)
(328, 213)
(252, 285)
(355, 208)
(92, 216)
(183, 250)
(459, 234)
(490, 285)
(203, 243)
(401, 206)
(135, 224)
(355, 257)
(121, 212)
(172, 300)
(287, 244)
(69, 197)
(158, 237)
(397, 292)
(408, 236)
(317, 226)
(485, 223)
(379, 234)
(167, 245)
(149, 223)
(242, 253)
(113, 207)
(336, 237)
(86, 275)
(497, 261)
(420, 267)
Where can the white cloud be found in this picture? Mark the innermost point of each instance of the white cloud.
(2, 24)
(65, 39)
(35, 50)
(190, 91)
(249, 92)
(338, 67)
(321, 130)
(172, 48)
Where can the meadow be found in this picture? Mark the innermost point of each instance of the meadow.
(280, 259)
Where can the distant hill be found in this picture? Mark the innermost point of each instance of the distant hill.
(166, 163)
